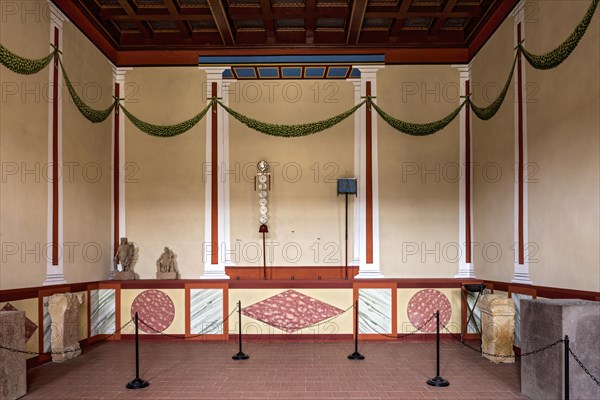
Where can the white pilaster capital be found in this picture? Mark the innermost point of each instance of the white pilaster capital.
(119, 73)
(464, 70)
(518, 13)
(368, 71)
(56, 16)
(213, 74)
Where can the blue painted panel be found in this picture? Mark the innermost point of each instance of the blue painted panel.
(355, 73)
(314, 72)
(227, 74)
(337, 72)
(291, 72)
(268, 72)
(245, 72)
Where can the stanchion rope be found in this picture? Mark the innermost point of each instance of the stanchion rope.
(405, 334)
(480, 351)
(587, 371)
(34, 353)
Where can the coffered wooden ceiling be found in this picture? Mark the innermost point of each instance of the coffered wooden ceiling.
(167, 32)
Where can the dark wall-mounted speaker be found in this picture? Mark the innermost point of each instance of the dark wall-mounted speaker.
(347, 185)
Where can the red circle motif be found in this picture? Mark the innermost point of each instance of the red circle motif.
(424, 304)
(155, 311)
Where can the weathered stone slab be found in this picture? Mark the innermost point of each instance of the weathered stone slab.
(497, 327)
(64, 314)
(545, 321)
(13, 367)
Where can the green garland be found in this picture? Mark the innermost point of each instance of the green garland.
(92, 115)
(554, 58)
(288, 131)
(21, 65)
(491, 110)
(417, 129)
(166, 130)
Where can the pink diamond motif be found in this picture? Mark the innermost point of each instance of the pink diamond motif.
(291, 311)
(30, 326)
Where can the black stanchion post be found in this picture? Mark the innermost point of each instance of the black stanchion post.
(240, 355)
(566, 356)
(438, 380)
(137, 383)
(356, 355)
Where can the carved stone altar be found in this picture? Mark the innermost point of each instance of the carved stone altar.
(64, 314)
(13, 368)
(542, 323)
(497, 327)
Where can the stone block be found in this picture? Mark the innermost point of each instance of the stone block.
(13, 365)
(542, 323)
(497, 327)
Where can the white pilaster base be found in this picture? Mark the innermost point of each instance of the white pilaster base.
(214, 273)
(369, 271)
(54, 279)
(465, 271)
(521, 274)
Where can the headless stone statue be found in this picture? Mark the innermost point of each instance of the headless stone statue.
(124, 256)
(64, 314)
(165, 265)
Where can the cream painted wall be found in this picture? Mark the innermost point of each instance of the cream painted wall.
(563, 121)
(306, 218)
(164, 191)
(493, 157)
(25, 30)
(87, 159)
(418, 176)
(24, 148)
(564, 146)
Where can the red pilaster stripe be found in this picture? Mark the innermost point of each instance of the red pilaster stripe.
(116, 172)
(369, 180)
(520, 163)
(214, 183)
(467, 176)
(55, 177)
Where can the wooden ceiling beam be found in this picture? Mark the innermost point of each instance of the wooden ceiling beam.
(267, 16)
(474, 13)
(143, 28)
(166, 17)
(218, 12)
(181, 25)
(399, 22)
(310, 20)
(356, 21)
(440, 21)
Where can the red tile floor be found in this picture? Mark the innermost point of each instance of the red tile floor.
(283, 370)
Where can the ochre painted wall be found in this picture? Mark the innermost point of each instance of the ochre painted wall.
(24, 148)
(564, 147)
(164, 189)
(306, 217)
(563, 121)
(418, 176)
(493, 157)
(87, 172)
